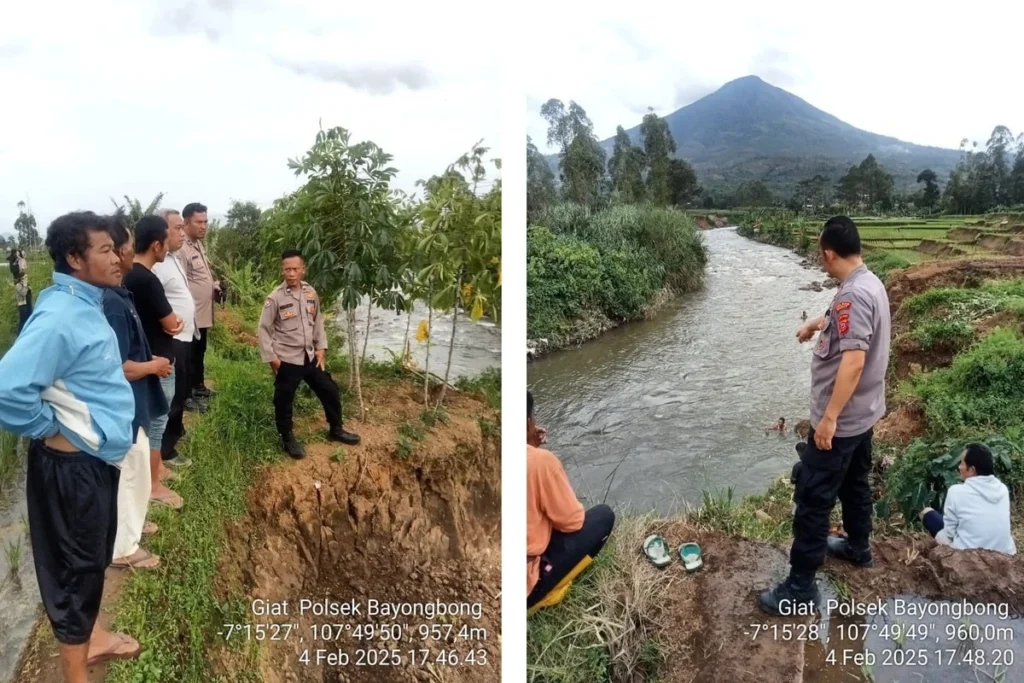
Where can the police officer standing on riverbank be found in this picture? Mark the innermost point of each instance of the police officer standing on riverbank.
(848, 370)
(293, 341)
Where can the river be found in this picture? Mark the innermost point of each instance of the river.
(477, 345)
(655, 412)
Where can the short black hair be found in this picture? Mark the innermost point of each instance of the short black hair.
(529, 404)
(292, 253)
(841, 236)
(194, 207)
(978, 456)
(69, 236)
(782, 419)
(149, 230)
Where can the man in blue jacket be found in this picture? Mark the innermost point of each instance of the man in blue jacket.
(62, 387)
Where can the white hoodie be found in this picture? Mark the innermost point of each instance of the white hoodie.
(977, 515)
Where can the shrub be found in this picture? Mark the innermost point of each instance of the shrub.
(610, 262)
(951, 334)
(923, 474)
(980, 391)
(563, 279)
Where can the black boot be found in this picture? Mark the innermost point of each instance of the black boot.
(841, 549)
(292, 447)
(339, 434)
(796, 596)
(202, 392)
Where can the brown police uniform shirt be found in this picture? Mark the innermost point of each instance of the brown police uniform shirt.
(857, 319)
(292, 325)
(200, 278)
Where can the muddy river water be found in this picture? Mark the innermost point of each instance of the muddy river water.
(655, 412)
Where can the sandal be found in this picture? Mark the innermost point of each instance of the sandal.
(149, 528)
(171, 500)
(125, 648)
(656, 551)
(148, 561)
(691, 556)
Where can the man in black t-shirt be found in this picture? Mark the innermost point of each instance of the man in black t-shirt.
(160, 324)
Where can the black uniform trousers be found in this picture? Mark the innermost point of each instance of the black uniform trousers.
(824, 477)
(198, 369)
(286, 383)
(565, 551)
(175, 429)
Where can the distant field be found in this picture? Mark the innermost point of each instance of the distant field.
(904, 236)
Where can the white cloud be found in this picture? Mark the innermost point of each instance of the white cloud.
(206, 100)
(927, 75)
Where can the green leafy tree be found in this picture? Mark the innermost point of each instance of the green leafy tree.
(867, 184)
(133, 209)
(659, 148)
(25, 225)
(462, 240)
(682, 182)
(753, 193)
(582, 161)
(812, 193)
(343, 220)
(540, 181)
(626, 168)
(1017, 176)
(238, 240)
(999, 152)
(931, 194)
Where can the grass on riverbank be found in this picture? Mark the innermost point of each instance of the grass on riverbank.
(608, 627)
(587, 271)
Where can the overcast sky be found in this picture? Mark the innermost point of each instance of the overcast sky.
(206, 100)
(926, 74)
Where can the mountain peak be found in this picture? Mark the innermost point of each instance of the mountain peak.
(749, 129)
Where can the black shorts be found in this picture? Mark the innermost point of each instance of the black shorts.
(72, 516)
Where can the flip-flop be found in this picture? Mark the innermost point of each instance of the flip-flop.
(154, 562)
(172, 500)
(656, 551)
(119, 651)
(149, 528)
(691, 556)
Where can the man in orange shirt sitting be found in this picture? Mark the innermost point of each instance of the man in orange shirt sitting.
(559, 532)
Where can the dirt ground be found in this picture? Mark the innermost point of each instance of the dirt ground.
(710, 618)
(960, 273)
(376, 527)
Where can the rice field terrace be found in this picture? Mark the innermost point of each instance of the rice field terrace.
(915, 239)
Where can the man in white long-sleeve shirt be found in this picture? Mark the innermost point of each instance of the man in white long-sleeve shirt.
(976, 514)
(172, 276)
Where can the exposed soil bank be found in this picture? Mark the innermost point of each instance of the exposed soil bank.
(960, 273)
(710, 222)
(375, 526)
(712, 630)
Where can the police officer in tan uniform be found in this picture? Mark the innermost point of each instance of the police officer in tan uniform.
(204, 287)
(293, 341)
(848, 370)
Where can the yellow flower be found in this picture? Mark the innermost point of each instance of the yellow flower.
(478, 309)
(422, 332)
(467, 291)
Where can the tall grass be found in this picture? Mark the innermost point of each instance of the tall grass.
(175, 611)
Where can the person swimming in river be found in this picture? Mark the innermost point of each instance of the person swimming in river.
(779, 426)
(804, 316)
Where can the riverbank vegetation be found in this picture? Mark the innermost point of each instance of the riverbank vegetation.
(609, 244)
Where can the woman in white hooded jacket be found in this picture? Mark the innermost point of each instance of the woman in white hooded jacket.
(976, 514)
